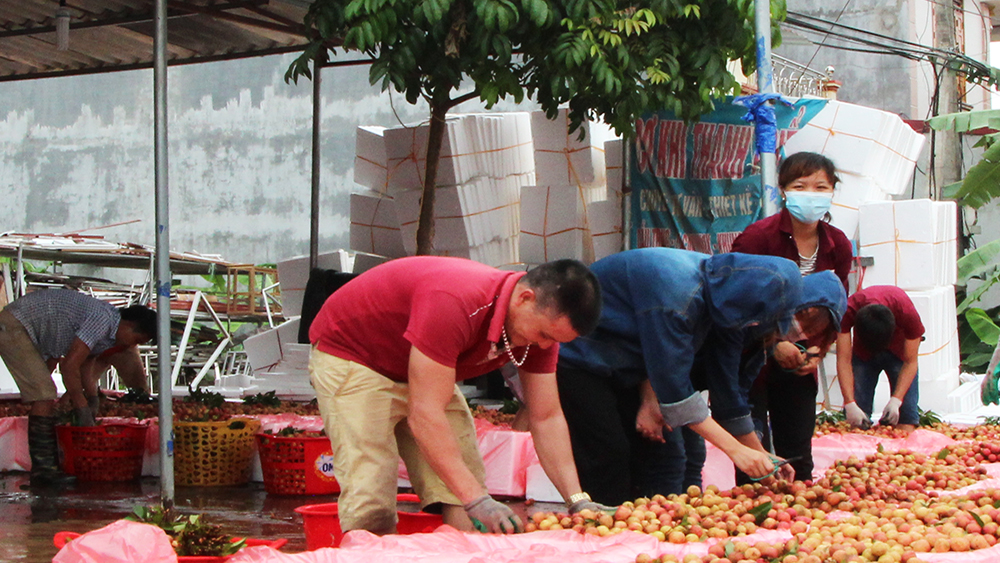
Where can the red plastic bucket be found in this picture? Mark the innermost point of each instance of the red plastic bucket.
(322, 522)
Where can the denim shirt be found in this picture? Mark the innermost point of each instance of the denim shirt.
(659, 304)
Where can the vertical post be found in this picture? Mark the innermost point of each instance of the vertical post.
(765, 85)
(946, 154)
(317, 118)
(163, 274)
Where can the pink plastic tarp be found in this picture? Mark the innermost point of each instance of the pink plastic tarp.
(447, 545)
(14, 444)
(119, 542)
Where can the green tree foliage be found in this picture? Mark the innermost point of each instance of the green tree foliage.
(605, 59)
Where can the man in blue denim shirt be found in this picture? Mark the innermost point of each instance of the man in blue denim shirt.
(659, 306)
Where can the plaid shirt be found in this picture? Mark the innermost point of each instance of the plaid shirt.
(54, 317)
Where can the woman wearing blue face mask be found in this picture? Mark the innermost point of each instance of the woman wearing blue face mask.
(786, 389)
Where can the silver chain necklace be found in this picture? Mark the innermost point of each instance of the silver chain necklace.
(506, 345)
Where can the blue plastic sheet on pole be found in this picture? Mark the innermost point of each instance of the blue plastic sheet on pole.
(761, 113)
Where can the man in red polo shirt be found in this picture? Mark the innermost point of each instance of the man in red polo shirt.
(887, 335)
(388, 348)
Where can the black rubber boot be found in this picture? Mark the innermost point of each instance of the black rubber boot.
(45, 470)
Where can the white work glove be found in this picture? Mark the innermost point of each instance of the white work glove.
(490, 516)
(890, 415)
(857, 417)
(585, 503)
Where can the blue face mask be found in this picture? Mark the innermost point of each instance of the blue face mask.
(808, 207)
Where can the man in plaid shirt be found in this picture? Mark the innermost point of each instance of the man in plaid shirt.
(76, 332)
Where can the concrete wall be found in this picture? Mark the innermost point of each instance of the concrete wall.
(77, 153)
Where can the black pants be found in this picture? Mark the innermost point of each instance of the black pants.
(789, 401)
(614, 462)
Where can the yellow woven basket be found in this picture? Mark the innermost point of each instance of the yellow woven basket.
(209, 454)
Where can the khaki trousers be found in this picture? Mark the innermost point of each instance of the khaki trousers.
(364, 414)
(31, 374)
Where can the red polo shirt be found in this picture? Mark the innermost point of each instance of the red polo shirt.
(908, 325)
(772, 236)
(451, 309)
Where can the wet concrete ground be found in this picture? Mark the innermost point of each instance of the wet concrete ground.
(29, 519)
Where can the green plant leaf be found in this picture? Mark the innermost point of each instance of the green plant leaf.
(760, 512)
(978, 262)
(982, 183)
(983, 326)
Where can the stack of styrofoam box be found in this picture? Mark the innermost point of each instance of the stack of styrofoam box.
(571, 174)
(912, 241)
(938, 355)
(374, 226)
(279, 363)
(485, 160)
(293, 274)
(605, 217)
(875, 153)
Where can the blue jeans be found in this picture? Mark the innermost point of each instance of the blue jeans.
(866, 374)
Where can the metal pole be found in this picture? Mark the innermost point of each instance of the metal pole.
(765, 85)
(317, 117)
(163, 274)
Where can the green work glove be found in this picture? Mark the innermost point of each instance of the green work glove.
(490, 516)
(84, 417)
(988, 389)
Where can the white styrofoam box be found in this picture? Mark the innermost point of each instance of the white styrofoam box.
(492, 145)
(865, 141)
(538, 487)
(561, 157)
(263, 350)
(364, 261)
(554, 224)
(293, 274)
(374, 226)
(852, 191)
(370, 159)
(934, 393)
(480, 211)
(497, 253)
(613, 168)
(605, 220)
(913, 243)
(939, 352)
(965, 398)
(267, 348)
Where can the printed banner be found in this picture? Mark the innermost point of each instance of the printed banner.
(697, 186)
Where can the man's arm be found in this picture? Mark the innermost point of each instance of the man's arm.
(71, 367)
(908, 372)
(549, 432)
(431, 386)
(845, 373)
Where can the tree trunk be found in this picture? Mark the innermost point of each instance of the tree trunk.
(425, 227)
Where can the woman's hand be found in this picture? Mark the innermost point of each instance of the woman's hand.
(813, 358)
(788, 355)
(752, 462)
(649, 422)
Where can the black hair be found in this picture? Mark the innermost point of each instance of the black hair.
(802, 164)
(143, 317)
(873, 326)
(569, 288)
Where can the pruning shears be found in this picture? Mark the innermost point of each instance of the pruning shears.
(778, 462)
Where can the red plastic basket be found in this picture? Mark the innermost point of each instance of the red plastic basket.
(297, 465)
(62, 538)
(111, 452)
(322, 522)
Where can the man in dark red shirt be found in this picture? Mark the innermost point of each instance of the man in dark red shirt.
(887, 335)
(388, 348)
